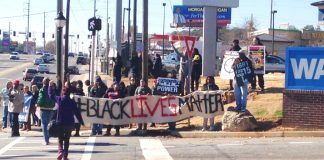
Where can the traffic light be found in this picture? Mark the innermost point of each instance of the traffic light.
(52, 35)
(78, 36)
(0, 31)
(43, 35)
(14, 33)
(29, 34)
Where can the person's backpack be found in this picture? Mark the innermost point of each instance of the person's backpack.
(44, 100)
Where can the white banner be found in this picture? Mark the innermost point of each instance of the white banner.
(148, 109)
(227, 72)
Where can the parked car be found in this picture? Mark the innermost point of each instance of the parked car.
(73, 70)
(29, 74)
(49, 57)
(81, 60)
(14, 57)
(38, 81)
(45, 59)
(38, 61)
(43, 68)
(274, 64)
(71, 54)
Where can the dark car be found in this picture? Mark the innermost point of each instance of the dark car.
(73, 70)
(29, 74)
(81, 60)
(38, 81)
(45, 59)
(71, 54)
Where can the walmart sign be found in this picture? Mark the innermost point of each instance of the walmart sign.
(305, 68)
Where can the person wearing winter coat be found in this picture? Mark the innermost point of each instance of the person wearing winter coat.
(4, 96)
(66, 110)
(16, 104)
(196, 70)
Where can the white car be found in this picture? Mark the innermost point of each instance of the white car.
(274, 64)
(49, 57)
(43, 68)
(14, 57)
(38, 61)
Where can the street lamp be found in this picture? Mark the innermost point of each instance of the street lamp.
(273, 13)
(60, 23)
(163, 28)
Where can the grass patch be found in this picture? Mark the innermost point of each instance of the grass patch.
(261, 113)
(278, 114)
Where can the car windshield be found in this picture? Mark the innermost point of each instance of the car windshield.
(31, 71)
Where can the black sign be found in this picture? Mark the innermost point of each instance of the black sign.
(167, 85)
(94, 24)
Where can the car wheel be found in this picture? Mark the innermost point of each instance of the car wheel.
(47, 72)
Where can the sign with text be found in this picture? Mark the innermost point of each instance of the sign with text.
(304, 68)
(182, 15)
(23, 116)
(257, 56)
(167, 85)
(6, 39)
(149, 109)
(227, 71)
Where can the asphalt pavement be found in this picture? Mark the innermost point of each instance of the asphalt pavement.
(159, 148)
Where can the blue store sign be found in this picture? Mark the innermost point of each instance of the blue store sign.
(304, 68)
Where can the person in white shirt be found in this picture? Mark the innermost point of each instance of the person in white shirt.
(178, 18)
(4, 95)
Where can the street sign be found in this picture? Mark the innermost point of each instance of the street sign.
(193, 16)
(94, 24)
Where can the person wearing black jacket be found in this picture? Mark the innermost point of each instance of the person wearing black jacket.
(157, 67)
(196, 70)
(131, 91)
(79, 92)
(117, 68)
(235, 47)
(243, 70)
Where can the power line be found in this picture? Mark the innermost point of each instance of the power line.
(26, 15)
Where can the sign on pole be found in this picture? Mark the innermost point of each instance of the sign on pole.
(227, 71)
(182, 15)
(304, 68)
(257, 56)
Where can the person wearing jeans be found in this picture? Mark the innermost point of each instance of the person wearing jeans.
(243, 70)
(46, 109)
(5, 98)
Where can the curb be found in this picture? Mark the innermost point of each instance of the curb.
(222, 134)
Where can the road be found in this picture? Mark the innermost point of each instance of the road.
(13, 69)
(140, 148)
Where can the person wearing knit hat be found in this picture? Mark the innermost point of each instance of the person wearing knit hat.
(16, 98)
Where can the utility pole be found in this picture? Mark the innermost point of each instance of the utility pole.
(271, 5)
(107, 42)
(9, 37)
(58, 43)
(163, 29)
(93, 48)
(44, 34)
(128, 30)
(119, 6)
(67, 31)
(145, 41)
(134, 29)
(27, 34)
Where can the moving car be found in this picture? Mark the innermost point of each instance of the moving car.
(14, 57)
(274, 64)
(29, 74)
(73, 70)
(38, 81)
(49, 57)
(38, 61)
(43, 68)
(45, 59)
(81, 60)
(71, 54)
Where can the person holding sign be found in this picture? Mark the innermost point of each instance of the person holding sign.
(235, 47)
(16, 104)
(257, 42)
(243, 70)
(209, 85)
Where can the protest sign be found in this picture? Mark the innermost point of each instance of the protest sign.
(150, 108)
(167, 85)
(23, 116)
(227, 71)
(257, 56)
(242, 72)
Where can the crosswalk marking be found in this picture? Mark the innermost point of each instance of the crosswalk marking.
(88, 149)
(153, 149)
(8, 146)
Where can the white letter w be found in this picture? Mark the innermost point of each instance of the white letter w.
(303, 67)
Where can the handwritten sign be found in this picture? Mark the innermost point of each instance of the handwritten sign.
(146, 109)
(227, 71)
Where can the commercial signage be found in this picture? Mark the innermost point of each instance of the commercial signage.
(321, 16)
(185, 16)
(304, 68)
(5, 39)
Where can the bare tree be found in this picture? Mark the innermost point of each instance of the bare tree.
(50, 46)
